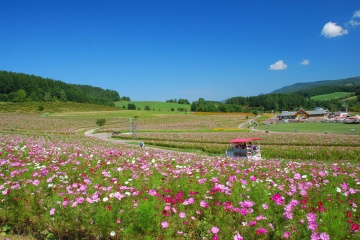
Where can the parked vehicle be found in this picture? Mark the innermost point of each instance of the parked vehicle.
(244, 148)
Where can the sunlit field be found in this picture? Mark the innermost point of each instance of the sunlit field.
(58, 184)
(313, 127)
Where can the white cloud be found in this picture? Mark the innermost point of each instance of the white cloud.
(332, 30)
(353, 22)
(305, 62)
(279, 65)
(356, 14)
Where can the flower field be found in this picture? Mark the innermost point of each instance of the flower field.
(327, 147)
(73, 187)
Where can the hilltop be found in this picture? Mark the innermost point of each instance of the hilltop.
(347, 82)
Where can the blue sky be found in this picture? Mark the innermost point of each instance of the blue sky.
(165, 49)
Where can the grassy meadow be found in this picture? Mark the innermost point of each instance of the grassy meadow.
(153, 105)
(335, 95)
(313, 127)
(57, 183)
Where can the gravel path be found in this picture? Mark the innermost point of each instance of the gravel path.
(105, 137)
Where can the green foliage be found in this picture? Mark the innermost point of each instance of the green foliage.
(160, 106)
(19, 87)
(305, 86)
(100, 122)
(131, 106)
(335, 95)
(40, 108)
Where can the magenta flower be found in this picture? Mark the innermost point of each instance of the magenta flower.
(286, 235)
(261, 231)
(278, 199)
(152, 192)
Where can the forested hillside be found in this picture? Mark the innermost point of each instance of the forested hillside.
(20, 87)
(278, 102)
(342, 83)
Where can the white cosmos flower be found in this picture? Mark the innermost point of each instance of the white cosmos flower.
(112, 233)
(105, 199)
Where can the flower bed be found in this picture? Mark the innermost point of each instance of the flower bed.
(67, 187)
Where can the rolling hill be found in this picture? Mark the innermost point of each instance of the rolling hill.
(354, 81)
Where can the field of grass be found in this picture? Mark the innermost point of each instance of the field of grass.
(154, 105)
(335, 95)
(313, 127)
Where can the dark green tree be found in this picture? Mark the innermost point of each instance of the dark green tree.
(131, 106)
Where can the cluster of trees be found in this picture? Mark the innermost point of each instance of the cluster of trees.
(124, 98)
(180, 101)
(19, 87)
(274, 102)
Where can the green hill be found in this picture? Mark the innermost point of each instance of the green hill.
(20, 87)
(348, 82)
(335, 95)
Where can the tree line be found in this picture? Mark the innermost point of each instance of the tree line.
(20, 87)
(279, 102)
(180, 101)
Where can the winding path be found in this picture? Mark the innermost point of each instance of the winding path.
(105, 137)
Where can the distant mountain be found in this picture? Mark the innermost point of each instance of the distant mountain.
(354, 81)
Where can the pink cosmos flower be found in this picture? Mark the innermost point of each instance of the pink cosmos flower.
(286, 235)
(36, 182)
(261, 230)
(297, 176)
(52, 211)
(204, 204)
(278, 199)
(152, 192)
(215, 230)
(238, 237)
(182, 214)
(164, 224)
(324, 236)
(315, 236)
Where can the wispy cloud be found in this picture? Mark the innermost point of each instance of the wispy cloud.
(305, 62)
(279, 65)
(331, 30)
(356, 14)
(354, 20)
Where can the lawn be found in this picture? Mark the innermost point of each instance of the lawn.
(335, 95)
(155, 106)
(313, 127)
